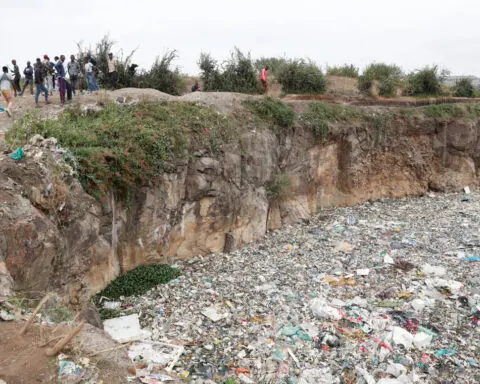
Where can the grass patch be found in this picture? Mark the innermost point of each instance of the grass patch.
(122, 146)
(272, 110)
(320, 115)
(138, 281)
(448, 111)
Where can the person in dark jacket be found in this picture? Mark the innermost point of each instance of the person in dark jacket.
(16, 78)
(63, 84)
(28, 72)
(40, 82)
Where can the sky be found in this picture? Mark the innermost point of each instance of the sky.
(409, 33)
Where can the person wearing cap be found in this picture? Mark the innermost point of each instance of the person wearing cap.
(112, 71)
(48, 73)
(28, 72)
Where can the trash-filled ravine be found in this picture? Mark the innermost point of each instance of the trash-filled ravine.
(384, 292)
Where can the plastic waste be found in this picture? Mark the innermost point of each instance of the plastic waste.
(401, 336)
(322, 310)
(445, 352)
(17, 155)
(422, 340)
(473, 258)
(66, 367)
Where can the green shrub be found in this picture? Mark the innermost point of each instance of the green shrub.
(123, 146)
(364, 85)
(344, 70)
(236, 75)
(471, 111)
(381, 71)
(275, 64)
(387, 75)
(138, 281)
(388, 87)
(320, 115)
(464, 88)
(162, 76)
(272, 110)
(299, 76)
(424, 82)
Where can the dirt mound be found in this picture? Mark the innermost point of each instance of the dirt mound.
(140, 93)
(222, 101)
(342, 86)
(23, 359)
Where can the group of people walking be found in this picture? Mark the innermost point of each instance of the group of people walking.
(49, 75)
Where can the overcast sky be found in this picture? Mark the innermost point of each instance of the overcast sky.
(410, 33)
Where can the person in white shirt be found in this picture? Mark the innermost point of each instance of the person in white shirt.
(6, 89)
(90, 74)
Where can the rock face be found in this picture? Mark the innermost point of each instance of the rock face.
(53, 236)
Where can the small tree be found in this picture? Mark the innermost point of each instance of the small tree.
(237, 74)
(162, 76)
(464, 88)
(424, 82)
(388, 76)
(299, 76)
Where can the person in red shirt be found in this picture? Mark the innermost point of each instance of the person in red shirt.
(263, 78)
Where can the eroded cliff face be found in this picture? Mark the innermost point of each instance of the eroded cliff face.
(59, 238)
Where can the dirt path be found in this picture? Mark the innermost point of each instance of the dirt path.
(23, 359)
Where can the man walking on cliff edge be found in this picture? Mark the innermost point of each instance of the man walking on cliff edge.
(263, 79)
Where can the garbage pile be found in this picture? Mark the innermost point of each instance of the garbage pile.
(385, 292)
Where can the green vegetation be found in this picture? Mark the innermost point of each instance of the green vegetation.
(344, 70)
(138, 281)
(123, 146)
(163, 75)
(320, 115)
(272, 110)
(471, 111)
(237, 74)
(464, 88)
(387, 75)
(278, 187)
(275, 64)
(230, 381)
(299, 76)
(425, 82)
(381, 123)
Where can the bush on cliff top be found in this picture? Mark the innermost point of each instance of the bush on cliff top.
(272, 110)
(236, 74)
(138, 281)
(300, 76)
(122, 146)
